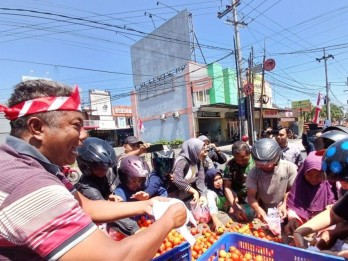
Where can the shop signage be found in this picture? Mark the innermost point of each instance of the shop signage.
(270, 114)
(162, 77)
(201, 84)
(121, 110)
(304, 105)
(208, 114)
(287, 119)
(242, 108)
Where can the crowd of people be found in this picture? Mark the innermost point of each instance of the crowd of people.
(44, 216)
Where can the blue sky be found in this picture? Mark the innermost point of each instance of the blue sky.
(44, 38)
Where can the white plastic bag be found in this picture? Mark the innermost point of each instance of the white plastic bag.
(273, 221)
(158, 209)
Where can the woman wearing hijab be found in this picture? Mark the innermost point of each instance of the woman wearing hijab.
(216, 197)
(188, 173)
(310, 194)
(214, 155)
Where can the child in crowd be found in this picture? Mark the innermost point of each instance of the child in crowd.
(96, 160)
(162, 166)
(135, 181)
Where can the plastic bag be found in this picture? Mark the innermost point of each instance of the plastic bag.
(200, 212)
(158, 209)
(273, 221)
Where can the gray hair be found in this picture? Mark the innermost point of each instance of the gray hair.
(240, 146)
(33, 89)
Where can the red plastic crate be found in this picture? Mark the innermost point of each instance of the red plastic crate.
(181, 252)
(270, 251)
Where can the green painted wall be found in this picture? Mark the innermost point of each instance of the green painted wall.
(217, 92)
(230, 86)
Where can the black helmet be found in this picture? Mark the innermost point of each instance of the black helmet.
(330, 135)
(266, 150)
(335, 161)
(163, 161)
(131, 167)
(93, 153)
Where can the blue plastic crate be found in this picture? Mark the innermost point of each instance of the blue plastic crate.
(270, 251)
(181, 252)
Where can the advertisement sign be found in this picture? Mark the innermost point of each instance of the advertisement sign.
(304, 105)
(100, 102)
(242, 108)
(201, 84)
(122, 110)
(121, 122)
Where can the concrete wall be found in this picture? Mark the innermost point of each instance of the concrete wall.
(162, 51)
(4, 128)
(230, 84)
(217, 92)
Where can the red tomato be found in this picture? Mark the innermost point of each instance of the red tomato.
(194, 231)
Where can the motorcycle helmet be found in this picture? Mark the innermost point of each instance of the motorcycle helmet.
(329, 136)
(163, 162)
(95, 153)
(245, 138)
(335, 161)
(131, 169)
(266, 151)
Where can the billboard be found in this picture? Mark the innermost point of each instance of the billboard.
(165, 48)
(100, 102)
(304, 105)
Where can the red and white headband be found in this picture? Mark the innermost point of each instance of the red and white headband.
(43, 104)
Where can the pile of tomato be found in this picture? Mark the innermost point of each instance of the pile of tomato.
(205, 238)
(234, 254)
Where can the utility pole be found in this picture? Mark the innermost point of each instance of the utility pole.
(325, 57)
(238, 54)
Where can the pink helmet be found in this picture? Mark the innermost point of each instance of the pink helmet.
(245, 138)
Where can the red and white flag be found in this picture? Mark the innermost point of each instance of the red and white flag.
(141, 126)
(317, 109)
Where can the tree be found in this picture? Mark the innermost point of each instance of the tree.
(337, 113)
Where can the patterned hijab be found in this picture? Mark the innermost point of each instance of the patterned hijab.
(305, 199)
(191, 149)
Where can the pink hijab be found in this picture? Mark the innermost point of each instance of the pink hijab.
(305, 199)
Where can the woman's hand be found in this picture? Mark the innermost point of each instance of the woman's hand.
(141, 195)
(115, 198)
(219, 226)
(299, 240)
(291, 226)
(343, 253)
(203, 201)
(195, 197)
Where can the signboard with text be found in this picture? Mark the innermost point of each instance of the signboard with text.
(242, 108)
(208, 114)
(100, 102)
(304, 105)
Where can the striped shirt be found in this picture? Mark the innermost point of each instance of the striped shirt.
(39, 216)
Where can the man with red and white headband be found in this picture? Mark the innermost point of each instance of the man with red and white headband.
(42, 216)
(269, 182)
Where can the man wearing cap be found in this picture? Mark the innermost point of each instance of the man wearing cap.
(133, 147)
